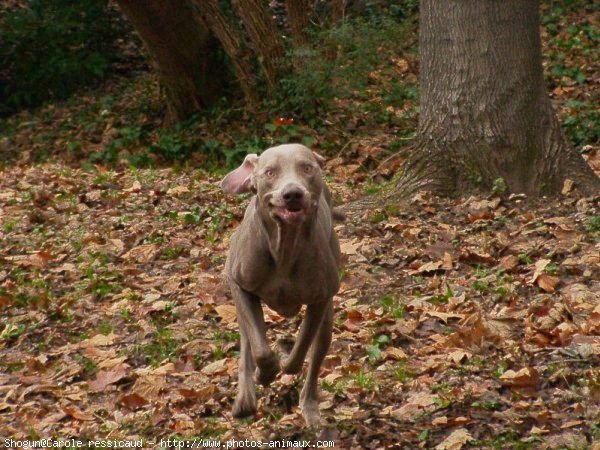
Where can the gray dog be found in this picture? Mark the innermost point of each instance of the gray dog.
(286, 254)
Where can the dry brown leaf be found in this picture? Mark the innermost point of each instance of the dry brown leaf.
(99, 340)
(394, 353)
(547, 282)
(78, 414)
(416, 404)
(177, 190)
(132, 401)
(444, 316)
(455, 440)
(142, 253)
(459, 356)
(509, 263)
(567, 186)
(523, 378)
(215, 368)
(200, 394)
(447, 261)
(427, 267)
(350, 247)
(107, 377)
(112, 362)
(227, 313)
(540, 266)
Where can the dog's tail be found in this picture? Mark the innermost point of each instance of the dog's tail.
(338, 215)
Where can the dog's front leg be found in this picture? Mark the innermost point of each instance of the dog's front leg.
(252, 326)
(310, 324)
(309, 397)
(245, 401)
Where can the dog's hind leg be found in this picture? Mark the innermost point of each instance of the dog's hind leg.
(308, 330)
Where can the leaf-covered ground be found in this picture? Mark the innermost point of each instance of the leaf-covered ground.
(476, 318)
(469, 323)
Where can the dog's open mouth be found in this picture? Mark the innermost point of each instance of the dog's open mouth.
(291, 213)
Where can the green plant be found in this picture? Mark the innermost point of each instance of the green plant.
(11, 331)
(172, 252)
(8, 226)
(337, 65)
(374, 351)
(51, 47)
(593, 226)
(161, 346)
(364, 380)
(172, 146)
(393, 305)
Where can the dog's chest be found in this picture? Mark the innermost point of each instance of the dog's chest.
(294, 289)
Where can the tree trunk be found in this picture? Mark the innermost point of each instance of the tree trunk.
(209, 12)
(298, 17)
(182, 51)
(485, 113)
(263, 34)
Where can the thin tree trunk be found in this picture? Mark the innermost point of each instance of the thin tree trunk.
(298, 17)
(182, 50)
(338, 10)
(263, 34)
(209, 12)
(485, 112)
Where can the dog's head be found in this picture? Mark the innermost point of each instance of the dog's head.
(286, 179)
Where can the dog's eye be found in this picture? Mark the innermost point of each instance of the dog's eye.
(308, 168)
(269, 173)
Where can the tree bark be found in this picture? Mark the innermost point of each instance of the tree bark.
(298, 18)
(209, 12)
(263, 33)
(182, 51)
(485, 113)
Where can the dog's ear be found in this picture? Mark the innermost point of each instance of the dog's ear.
(319, 159)
(239, 180)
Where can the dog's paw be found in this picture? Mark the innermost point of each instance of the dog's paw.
(244, 406)
(267, 370)
(311, 414)
(291, 367)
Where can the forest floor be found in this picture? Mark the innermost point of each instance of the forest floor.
(462, 323)
(475, 320)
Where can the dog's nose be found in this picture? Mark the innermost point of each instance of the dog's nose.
(292, 194)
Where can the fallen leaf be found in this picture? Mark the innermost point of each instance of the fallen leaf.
(99, 340)
(227, 313)
(350, 247)
(215, 368)
(142, 253)
(567, 186)
(415, 405)
(178, 190)
(78, 414)
(394, 353)
(459, 356)
(455, 440)
(199, 395)
(547, 282)
(132, 401)
(105, 378)
(540, 266)
(444, 316)
(427, 267)
(509, 263)
(525, 377)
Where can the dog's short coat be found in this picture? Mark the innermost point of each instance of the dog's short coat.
(286, 254)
